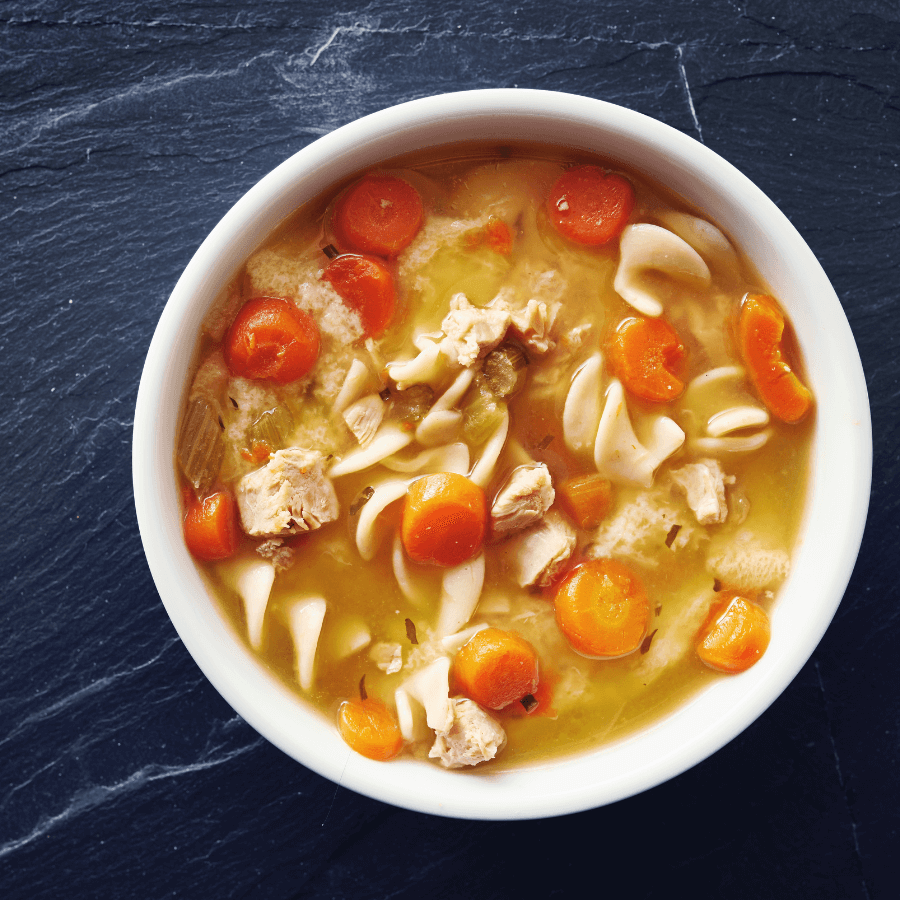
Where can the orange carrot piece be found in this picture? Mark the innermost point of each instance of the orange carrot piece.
(378, 214)
(370, 728)
(495, 668)
(495, 236)
(589, 205)
(271, 338)
(210, 527)
(365, 285)
(585, 499)
(602, 609)
(444, 519)
(761, 330)
(645, 355)
(735, 635)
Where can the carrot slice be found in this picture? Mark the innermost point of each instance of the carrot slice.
(735, 635)
(210, 527)
(365, 285)
(585, 499)
(761, 330)
(378, 214)
(271, 338)
(589, 205)
(602, 609)
(645, 355)
(495, 668)
(370, 728)
(444, 519)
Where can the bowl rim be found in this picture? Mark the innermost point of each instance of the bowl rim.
(707, 721)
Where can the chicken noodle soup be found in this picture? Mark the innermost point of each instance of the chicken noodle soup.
(496, 454)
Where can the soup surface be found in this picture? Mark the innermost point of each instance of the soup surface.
(495, 455)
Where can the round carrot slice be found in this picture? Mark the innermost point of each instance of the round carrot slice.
(589, 205)
(444, 519)
(496, 668)
(761, 329)
(271, 338)
(735, 635)
(378, 214)
(645, 355)
(210, 527)
(602, 609)
(365, 285)
(370, 728)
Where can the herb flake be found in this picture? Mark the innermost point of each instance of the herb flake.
(645, 644)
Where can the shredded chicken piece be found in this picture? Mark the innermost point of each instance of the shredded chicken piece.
(470, 331)
(703, 483)
(364, 417)
(474, 737)
(523, 500)
(533, 326)
(535, 556)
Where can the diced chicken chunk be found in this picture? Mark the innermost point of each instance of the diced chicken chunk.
(535, 556)
(364, 417)
(290, 494)
(523, 500)
(472, 331)
(703, 483)
(474, 736)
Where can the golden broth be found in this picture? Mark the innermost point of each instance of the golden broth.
(595, 700)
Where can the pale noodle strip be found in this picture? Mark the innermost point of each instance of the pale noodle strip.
(439, 427)
(388, 440)
(584, 406)
(252, 580)
(703, 236)
(427, 367)
(454, 642)
(410, 585)
(366, 532)
(619, 455)
(449, 458)
(484, 468)
(430, 686)
(648, 247)
(305, 619)
(735, 419)
(713, 445)
(460, 592)
(354, 385)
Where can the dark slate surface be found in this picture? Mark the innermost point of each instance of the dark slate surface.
(128, 130)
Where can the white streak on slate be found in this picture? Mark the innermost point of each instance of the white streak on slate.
(687, 89)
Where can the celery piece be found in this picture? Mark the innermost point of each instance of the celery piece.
(200, 444)
(272, 429)
(482, 412)
(505, 370)
(411, 405)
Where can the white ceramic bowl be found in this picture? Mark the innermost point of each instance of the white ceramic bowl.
(834, 517)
